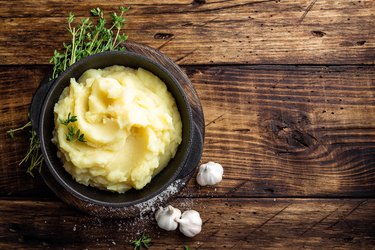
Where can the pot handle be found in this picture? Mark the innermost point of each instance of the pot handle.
(194, 156)
(37, 103)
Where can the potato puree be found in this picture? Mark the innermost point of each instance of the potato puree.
(130, 123)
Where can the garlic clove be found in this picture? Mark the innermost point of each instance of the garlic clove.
(210, 173)
(166, 217)
(190, 223)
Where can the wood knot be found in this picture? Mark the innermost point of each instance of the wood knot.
(352, 43)
(198, 2)
(163, 36)
(360, 43)
(288, 131)
(269, 190)
(293, 136)
(318, 33)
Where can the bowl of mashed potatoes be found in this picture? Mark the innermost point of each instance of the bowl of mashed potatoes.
(116, 129)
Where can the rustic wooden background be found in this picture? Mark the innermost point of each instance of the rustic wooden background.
(288, 92)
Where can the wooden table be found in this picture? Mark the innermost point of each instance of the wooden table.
(288, 92)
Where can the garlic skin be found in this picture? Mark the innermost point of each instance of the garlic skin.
(210, 173)
(166, 217)
(190, 223)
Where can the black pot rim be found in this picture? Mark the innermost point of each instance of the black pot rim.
(44, 136)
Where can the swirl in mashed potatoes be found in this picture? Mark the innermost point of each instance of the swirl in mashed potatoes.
(130, 123)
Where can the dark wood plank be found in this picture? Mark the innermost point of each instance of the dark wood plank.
(290, 131)
(228, 224)
(277, 130)
(16, 88)
(251, 32)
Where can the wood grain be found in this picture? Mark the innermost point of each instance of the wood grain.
(227, 224)
(279, 131)
(206, 32)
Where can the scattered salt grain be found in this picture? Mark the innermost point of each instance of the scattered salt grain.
(153, 203)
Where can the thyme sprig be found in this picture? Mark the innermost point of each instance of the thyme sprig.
(88, 38)
(69, 119)
(143, 241)
(73, 134)
(33, 155)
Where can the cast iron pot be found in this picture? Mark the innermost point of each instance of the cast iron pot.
(42, 116)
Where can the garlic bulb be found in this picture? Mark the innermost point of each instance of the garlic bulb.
(190, 223)
(166, 217)
(210, 173)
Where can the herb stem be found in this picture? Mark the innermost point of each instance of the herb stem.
(93, 42)
(117, 33)
(98, 49)
(80, 35)
(11, 132)
(73, 58)
(65, 58)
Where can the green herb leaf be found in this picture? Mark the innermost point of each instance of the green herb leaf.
(81, 138)
(186, 248)
(143, 241)
(97, 12)
(69, 119)
(71, 133)
(123, 9)
(71, 17)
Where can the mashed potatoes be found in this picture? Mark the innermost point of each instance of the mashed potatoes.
(131, 128)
